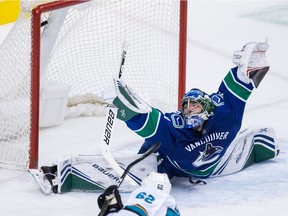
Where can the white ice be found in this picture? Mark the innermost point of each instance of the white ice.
(215, 30)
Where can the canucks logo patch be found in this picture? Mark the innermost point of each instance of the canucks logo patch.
(209, 155)
(217, 99)
(177, 120)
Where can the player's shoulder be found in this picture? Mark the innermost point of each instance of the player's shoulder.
(149, 192)
(217, 99)
(153, 201)
(170, 115)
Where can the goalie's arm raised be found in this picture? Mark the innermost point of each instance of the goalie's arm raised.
(128, 102)
(138, 115)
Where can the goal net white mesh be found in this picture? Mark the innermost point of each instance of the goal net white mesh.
(81, 47)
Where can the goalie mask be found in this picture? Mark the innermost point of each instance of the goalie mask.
(196, 107)
(159, 181)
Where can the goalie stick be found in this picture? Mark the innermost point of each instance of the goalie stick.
(109, 126)
(152, 149)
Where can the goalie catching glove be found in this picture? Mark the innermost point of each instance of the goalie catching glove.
(252, 63)
(128, 102)
(112, 197)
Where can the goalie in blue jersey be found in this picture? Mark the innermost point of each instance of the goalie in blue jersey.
(201, 140)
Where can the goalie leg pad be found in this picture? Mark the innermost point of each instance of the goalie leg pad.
(251, 145)
(128, 102)
(92, 172)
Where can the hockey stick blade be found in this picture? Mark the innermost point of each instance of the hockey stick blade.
(106, 143)
(143, 156)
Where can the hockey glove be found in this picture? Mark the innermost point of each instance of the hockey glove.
(252, 63)
(128, 102)
(112, 197)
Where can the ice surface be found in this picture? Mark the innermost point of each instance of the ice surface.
(216, 29)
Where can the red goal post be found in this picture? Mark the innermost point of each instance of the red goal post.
(136, 64)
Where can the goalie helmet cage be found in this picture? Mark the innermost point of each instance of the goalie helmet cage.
(84, 52)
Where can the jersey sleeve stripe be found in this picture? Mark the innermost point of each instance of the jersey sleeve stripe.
(236, 88)
(150, 126)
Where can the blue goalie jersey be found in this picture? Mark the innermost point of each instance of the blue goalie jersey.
(186, 152)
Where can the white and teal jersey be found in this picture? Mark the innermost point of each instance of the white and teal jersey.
(185, 152)
(146, 201)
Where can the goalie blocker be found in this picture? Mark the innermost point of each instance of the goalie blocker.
(128, 102)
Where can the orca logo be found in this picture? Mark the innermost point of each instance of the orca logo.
(209, 155)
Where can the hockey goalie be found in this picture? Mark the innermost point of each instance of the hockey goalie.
(201, 140)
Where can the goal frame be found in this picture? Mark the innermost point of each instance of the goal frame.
(35, 65)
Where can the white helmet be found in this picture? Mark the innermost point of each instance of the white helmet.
(158, 181)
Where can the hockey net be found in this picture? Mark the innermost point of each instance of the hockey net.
(79, 43)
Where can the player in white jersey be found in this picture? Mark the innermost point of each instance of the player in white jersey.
(152, 199)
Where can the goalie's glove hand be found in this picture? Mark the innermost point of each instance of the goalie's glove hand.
(112, 197)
